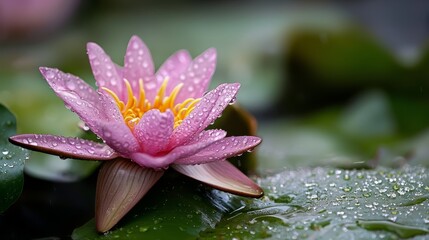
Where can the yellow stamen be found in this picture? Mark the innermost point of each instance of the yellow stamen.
(134, 108)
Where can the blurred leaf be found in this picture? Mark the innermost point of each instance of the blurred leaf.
(345, 58)
(327, 67)
(365, 132)
(53, 168)
(411, 115)
(12, 160)
(368, 116)
(321, 203)
(293, 144)
(415, 150)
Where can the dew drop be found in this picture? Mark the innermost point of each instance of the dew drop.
(136, 45)
(50, 75)
(396, 187)
(233, 100)
(107, 134)
(150, 85)
(71, 85)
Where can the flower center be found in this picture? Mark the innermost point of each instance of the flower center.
(133, 110)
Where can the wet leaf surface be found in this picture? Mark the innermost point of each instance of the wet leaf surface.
(319, 203)
(333, 204)
(12, 160)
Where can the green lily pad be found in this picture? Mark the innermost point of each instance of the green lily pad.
(319, 203)
(327, 203)
(12, 160)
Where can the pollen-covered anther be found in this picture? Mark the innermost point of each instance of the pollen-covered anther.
(133, 110)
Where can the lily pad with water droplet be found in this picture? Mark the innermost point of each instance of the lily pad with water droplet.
(326, 205)
(12, 160)
(318, 203)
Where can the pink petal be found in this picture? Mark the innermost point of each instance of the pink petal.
(198, 76)
(172, 68)
(64, 147)
(119, 137)
(138, 65)
(207, 110)
(222, 175)
(154, 130)
(203, 140)
(120, 186)
(105, 71)
(82, 99)
(222, 149)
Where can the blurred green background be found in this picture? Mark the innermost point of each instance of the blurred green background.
(331, 83)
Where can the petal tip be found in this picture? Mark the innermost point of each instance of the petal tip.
(90, 46)
(210, 54)
(135, 41)
(44, 70)
(236, 85)
(49, 74)
(13, 140)
(19, 140)
(257, 140)
(258, 192)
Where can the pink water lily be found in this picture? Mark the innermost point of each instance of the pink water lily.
(148, 122)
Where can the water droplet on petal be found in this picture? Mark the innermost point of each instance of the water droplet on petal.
(232, 101)
(107, 134)
(136, 45)
(150, 85)
(50, 75)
